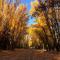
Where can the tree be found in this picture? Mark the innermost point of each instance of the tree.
(46, 13)
(13, 24)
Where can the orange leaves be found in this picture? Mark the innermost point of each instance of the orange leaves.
(15, 16)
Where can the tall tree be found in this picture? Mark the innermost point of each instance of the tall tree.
(49, 13)
(13, 23)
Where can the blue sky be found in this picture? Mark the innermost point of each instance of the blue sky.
(31, 20)
(27, 2)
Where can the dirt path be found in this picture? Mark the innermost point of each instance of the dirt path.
(28, 54)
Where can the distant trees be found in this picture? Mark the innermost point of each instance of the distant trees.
(33, 38)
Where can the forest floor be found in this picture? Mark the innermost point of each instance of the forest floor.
(28, 54)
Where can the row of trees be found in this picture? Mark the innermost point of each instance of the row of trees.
(45, 15)
(13, 21)
(13, 26)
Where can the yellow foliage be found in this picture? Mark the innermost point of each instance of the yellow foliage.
(30, 30)
(32, 11)
(34, 4)
(15, 17)
(5, 9)
(13, 24)
(21, 7)
(41, 20)
(0, 4)
(30, 43)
